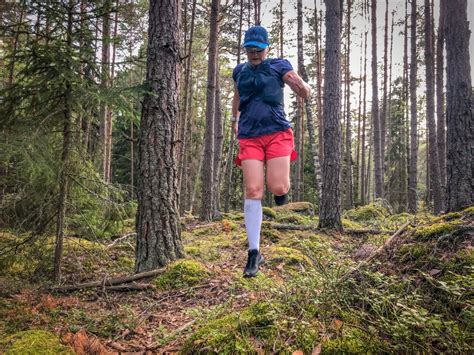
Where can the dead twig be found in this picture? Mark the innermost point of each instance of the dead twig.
(118, 240)
(109, 282)
(314, 227)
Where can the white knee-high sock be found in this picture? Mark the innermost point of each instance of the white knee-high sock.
(253, 222)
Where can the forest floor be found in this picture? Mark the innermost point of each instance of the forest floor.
(317, 292)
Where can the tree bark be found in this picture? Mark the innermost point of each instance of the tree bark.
(185, 132)
(330, 207)
(440, 107)
(105, 77)
(349, 184)
(363, 183)
(231, 152)
(383, 116)
(65, 159)
(377, 134)
(207, 197)
(430, 112)
(459, 109)
(158, 225)
(412, 185)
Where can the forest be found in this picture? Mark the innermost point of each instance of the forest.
(124, 225)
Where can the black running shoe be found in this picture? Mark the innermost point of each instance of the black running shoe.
(253, 262)
(281, 200)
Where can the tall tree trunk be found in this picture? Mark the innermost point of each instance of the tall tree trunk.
(65, 158)
(281, 29)
(357, 189)
(319, 84)
(299, 131)
(383, 116)
(459, 108)
(440, 114)
(231, 152)
(412, 186)
(105, 77)
(109, 109)
(377, 134)
(406, 98)
(430, 112)
(158, 225)
(218, 139)
(330, 207)
(349, 188)
(363, 184)
(207, 198)
(185, 133)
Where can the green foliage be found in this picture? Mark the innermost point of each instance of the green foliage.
(182, 273)
(35, 342)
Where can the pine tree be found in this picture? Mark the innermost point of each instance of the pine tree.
(329, 211)
(158, 225)
(459, 108)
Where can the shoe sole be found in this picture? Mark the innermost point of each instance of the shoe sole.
(247, 275)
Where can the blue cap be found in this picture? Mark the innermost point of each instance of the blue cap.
(256, 36)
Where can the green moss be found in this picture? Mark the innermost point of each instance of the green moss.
(367, 212)
(269, 233)
(305, 208)
(269, 212)
(289, 256)
(234, 333)
(347, 223)
(353, 341)
(436, 230)
(469, 210)
(35, 342)
(292, 218)
(234, 215)
(182, 273)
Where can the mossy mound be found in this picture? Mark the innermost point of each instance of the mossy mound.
(269, 213)
(270, 234)
(288, 256)
(304, 208)
(182, 273)
(246, 331)
(35, 342)
(436, 230)
(368, 212)
(292, 218)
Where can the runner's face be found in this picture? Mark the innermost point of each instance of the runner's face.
(255, 55)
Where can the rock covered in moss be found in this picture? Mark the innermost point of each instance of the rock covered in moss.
(269, 213)
(304, 208)
(368, 212)
(182, 273)
(35, 342)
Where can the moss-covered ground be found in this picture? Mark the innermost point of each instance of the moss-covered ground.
(315, 292)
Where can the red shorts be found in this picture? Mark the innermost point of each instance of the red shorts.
(268, 146)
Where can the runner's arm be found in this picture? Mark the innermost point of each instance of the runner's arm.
(297, 84)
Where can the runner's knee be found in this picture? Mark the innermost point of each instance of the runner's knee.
(279, 188)
(254, 192)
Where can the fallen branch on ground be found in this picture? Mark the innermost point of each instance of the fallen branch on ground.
(314, 227)
(118, 240)
(379, 251)
(109, 282)
(130, 287)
